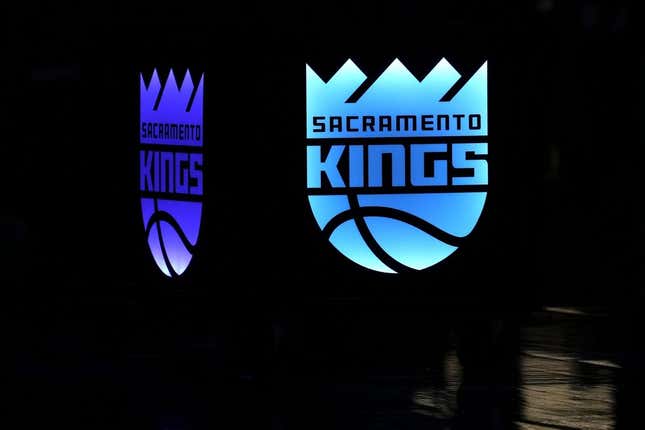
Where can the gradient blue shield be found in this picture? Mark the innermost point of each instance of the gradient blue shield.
(414, 230)
(171, 169)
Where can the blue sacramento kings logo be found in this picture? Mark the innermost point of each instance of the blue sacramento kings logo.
(397, 178)
(171, 159)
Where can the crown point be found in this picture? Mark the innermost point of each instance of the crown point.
(311, 73)
(153, 84)
(350, 62)
(188, 80)
(398, 66)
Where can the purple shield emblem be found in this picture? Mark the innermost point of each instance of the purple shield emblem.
(171, 168)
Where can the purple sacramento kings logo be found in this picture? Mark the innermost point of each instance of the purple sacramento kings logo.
(171, 180)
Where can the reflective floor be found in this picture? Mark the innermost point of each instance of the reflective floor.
(556, 369)
(563, 375)
(565, 383)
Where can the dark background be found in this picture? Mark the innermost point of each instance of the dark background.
(98, 335)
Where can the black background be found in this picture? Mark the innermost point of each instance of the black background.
(88, 308)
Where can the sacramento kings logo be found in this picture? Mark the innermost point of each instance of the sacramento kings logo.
(171, 179)
(397, 178)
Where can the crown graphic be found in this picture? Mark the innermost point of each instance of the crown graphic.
(397, 92)
(178, 116)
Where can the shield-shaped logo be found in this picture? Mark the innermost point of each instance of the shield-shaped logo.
(171, 138)
(397, 174)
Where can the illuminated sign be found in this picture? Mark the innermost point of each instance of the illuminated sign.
(171, 136)
(397, 178)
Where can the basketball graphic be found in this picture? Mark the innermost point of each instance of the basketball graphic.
(397, 179)
(171, 169)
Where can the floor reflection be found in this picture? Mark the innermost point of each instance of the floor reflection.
(569, 371)
(564, 393)
(557, 369)
(439, 397)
